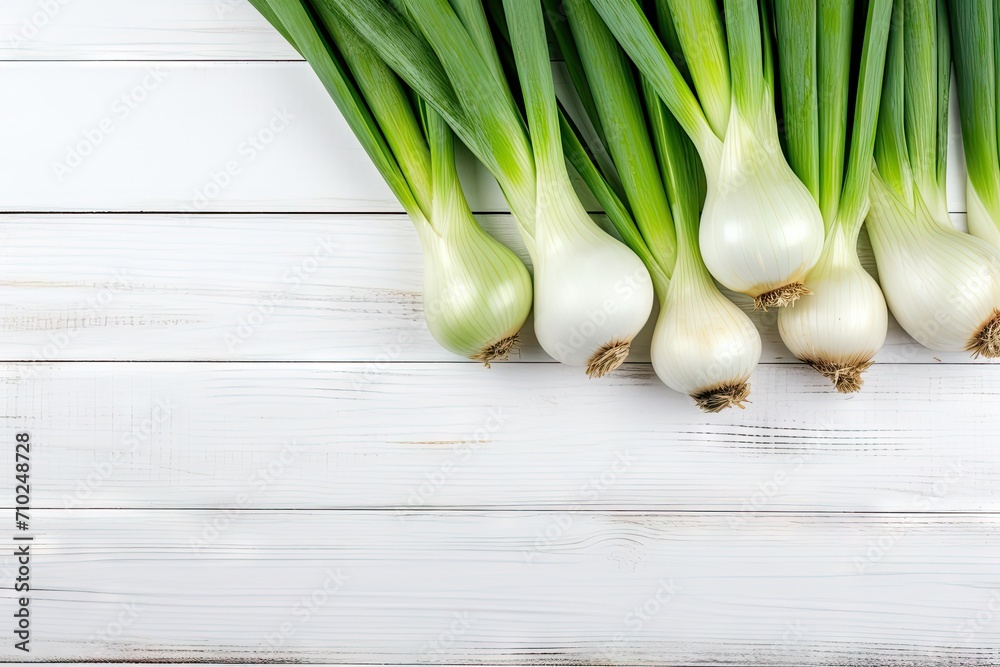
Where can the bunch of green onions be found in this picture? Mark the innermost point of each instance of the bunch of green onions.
(477, 293)
(673, 124)
(592, 294)
(703, 344)
(942, 285)
(761, 230)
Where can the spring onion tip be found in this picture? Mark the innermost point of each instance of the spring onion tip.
(986, 341)
(498, 351)
(845, 377)
(786, 295)
(723, 396)
(608, 358)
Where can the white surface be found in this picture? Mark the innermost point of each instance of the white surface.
(138, 30)
(189, 137)
(440, 587)
(184, 383)
(535, 436)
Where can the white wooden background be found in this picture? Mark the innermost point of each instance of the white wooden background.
(247, 446)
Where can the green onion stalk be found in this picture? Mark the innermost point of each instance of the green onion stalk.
(976, 51)
(942, 285)
(761, 230)
(843, 324)
(703, 344)
(592, 293)
(477, 293)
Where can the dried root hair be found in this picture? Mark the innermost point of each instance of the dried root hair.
(608, 358)
(986, 341)
(786, 295)
(845, 377)
(498, 351)
(723, 396)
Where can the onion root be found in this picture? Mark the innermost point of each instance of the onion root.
(845, 377)
(986, 341)
(608, 358)
(498, 351)
(722, 397)
(786, 295)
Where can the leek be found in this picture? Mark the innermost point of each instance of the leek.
(761, 231)
(942, 285)
(592, 294)
(843, 324)
(477, 293)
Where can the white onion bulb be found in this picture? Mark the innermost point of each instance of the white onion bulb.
(592, 294)
(941, 284)
(761, 229)
(477, 293)
(703, 344)
(843, 323)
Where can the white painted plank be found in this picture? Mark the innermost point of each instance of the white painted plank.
(133, 435)
(190, 137)
(237, 287)
(160, 136)
(137, 30)
(515, 588)
(193, 137)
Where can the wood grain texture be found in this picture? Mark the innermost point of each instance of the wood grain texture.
(526, 436)
(137, 30)
(254, 287)
(190, 137)
(524, 588)
(342, 490)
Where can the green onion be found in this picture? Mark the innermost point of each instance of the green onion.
(620, 111)
(477, 293)
(703, 345)
(943, 286)
(843, 324)
(977, 53)
(761, 231)
(592, 294)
